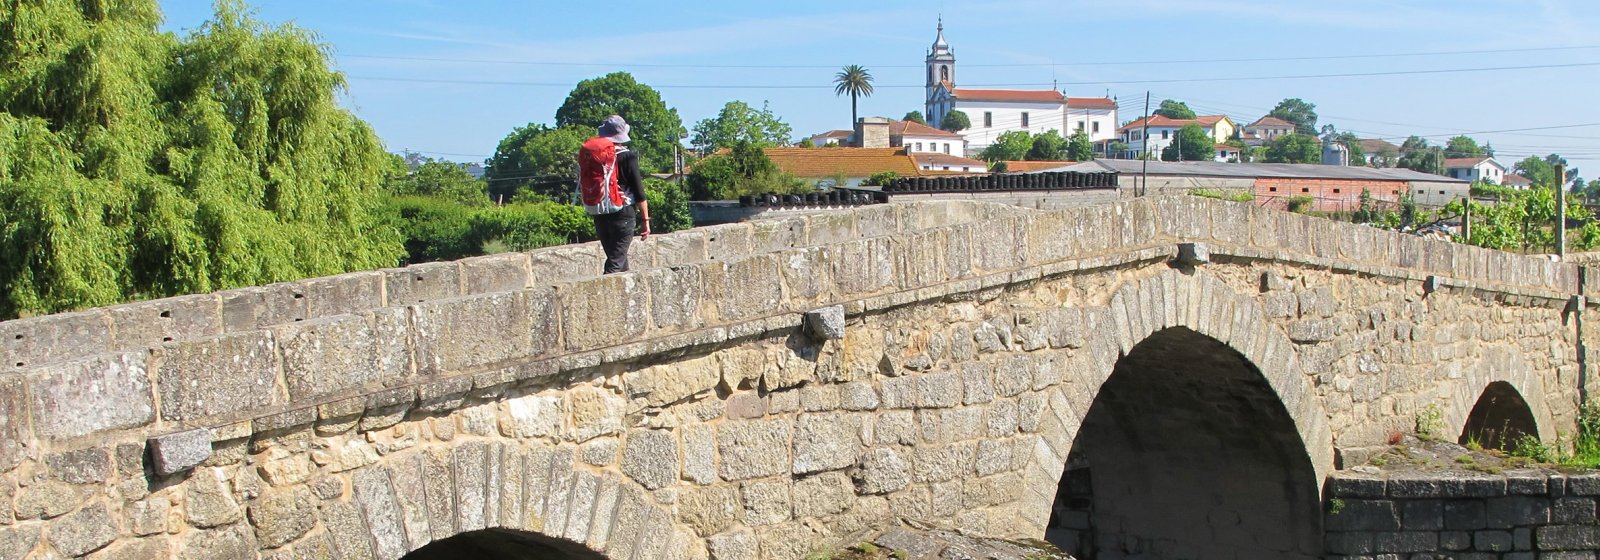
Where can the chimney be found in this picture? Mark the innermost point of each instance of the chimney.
(872, 132)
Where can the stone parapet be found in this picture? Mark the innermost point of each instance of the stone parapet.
(212, 360)
(1460, 515)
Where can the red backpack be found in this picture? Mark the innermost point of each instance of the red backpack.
(597, 178)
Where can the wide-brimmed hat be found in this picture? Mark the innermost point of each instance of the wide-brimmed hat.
(614, 129)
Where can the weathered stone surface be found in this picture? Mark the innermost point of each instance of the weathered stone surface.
(824, 442)
(710, 510)
(147, 517)
(603, 311)
(16, 542)
(824, 494)
(347, 531)
(215, 376)
(282, 516)
(766, 502)
(826, 323)
(330, 354)
(734, 545)
(83, 466)
(46, 499)
(669, 383)
(699, 454)
(595, 412)
(753, 448)
(224, 542)
(381, 510)
(532, 416)
(76, 398)
(83, 531)
(176, 452)
(881, 471)
(209, 501)
(651, 458)
(471, 331)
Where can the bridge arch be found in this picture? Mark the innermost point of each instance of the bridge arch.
(1178, 318)
(497, 498)
(1501, 387)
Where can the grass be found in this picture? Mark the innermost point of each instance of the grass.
(1228, 195)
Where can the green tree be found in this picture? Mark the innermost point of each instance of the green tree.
(655, 128)
(1542, 171)
(1190, 144)
(536, 156)
(1010, 146)
(1079, 147)
(956, 121)
(1116, 148)
(438, 179)
(738, 122)
(1417, 155)
(1048, 146)
(1175, 110)
(881, 178)
(914, 116)
(854, 81)
(1463, 147)
(1294, 148)
(806, 143)
(745, 170)
(136, 164)
(1299, 112)
(669, 206)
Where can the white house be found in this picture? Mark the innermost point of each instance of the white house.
(919, 138)
(1484, 169)
(938, 162)
(837, 137)
(1265, 130)
(994, 112)
(1163, 132)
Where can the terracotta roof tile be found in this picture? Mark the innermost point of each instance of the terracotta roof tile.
(852, 162)
(1034, 165)
(1009, 95)
(903, 128)
(1206, 121)
(1271, 121)
(1515, 179)
(1464, 162)
(1091, 102)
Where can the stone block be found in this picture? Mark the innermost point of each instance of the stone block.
(1194, 254)
(669, 383)
(650, 457)
(381, 510)
(82, 466)
(1573, 510)
(79, 533)
(826, 323)
(1517, 511)
(281, 516)
(42, 340)
(753, 448)
(1465, 515)
(864, 267)
(14, 434)
(565, 263)
(1405, 541)
(1365, 515)
(736, 545)
(150, 323)
(824, 442)
(81, 397)
(227, 374)
(332, 354)
(1567, 537)
(504, 272)
(422, 282)
(777, 234)
(674, 296)
(452, 335)
(743, 289)
(1313, 330)
(766, 502)
(1422, 515)
(248, 309)
(603, 311)
(176, 452)
(343, 294)
(346, 530)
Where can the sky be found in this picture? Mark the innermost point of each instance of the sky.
(451, 78)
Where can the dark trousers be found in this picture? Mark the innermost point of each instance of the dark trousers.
(616, 232)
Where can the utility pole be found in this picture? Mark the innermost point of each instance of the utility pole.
(1466, 219)
(1144, 146)
(1561, 211)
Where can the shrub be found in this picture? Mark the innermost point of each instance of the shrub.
(1299, 204)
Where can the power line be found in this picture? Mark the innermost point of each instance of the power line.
(1028, 84)
(1002, 65)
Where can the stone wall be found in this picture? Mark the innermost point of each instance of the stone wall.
(682, 411)
(1467, 517)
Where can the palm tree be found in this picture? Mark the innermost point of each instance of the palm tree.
(854, 80)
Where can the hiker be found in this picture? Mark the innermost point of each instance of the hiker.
(610, 184)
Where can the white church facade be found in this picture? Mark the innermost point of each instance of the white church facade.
(993, 112)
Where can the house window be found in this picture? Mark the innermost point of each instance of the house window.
(946, 168)
(1080, 126)
(1441, 192)
(1024, 119)
(919, 146)
(988, 119)
(946, 147)
(1164, 134)
(1097, 127)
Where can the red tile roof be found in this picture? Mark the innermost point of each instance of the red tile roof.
(1206, 121)
(950, 160)
(1091, 102)
(1010, 95)
(1464, 162)
(1272, 122)
(903, 128)
(811, 163)
(1034, 165)
(1515, 179)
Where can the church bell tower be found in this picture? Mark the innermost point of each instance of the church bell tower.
(941, 64)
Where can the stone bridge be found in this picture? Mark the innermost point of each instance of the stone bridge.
(1167, 377)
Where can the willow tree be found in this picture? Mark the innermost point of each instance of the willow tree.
(136, 163)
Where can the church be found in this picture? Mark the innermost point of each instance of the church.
(993, 112)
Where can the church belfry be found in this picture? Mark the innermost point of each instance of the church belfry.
(941, 63)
